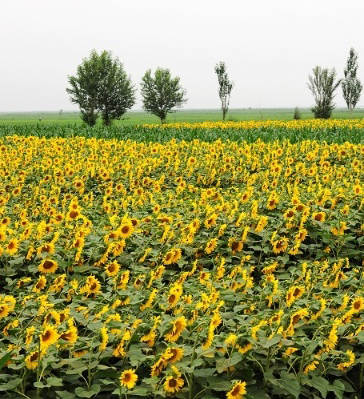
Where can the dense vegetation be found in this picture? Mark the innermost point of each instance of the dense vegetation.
(331, 131)
(196, 269)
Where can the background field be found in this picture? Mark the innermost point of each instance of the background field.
(141, 117)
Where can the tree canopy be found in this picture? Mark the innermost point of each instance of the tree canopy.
(101, 87)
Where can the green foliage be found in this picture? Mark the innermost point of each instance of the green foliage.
(101, 87)
(322, 85)
(339, 131)
(297, 114)
(225, 87)
(161, 93)
(351, 85)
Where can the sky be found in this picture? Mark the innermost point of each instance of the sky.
(269, 47)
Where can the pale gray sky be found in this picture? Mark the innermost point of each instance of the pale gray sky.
(269, 47)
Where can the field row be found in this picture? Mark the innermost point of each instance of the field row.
(331, 131)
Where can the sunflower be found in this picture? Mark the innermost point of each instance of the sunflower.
(128, 379)
(4, 310)
(48, 337)
(12, 247)
(70, 336)
(46, 248)
(40, 284)
(93, 285)
(126, 230)
(112, 269)
(158, 367)
(319, 216)
(211, 245)
(357, 305)
(237, 391)
(235, 245)
(211, 221)
(48, 266)
(294, 293)
(280, 245)
(173, 355)
(173, 385)
(179, 326)
(73, 215)
(31, 361)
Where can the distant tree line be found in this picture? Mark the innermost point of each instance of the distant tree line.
(102, 88)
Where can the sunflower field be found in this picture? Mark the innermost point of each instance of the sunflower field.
(188, 269)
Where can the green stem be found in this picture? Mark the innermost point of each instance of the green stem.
(38, 369)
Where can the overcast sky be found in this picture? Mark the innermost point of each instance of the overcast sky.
(269, 47)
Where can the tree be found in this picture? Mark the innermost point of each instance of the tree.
(351, 85)
(225, 87)
(101, 86)
(297, 114)
(322, 85)
(161, 93)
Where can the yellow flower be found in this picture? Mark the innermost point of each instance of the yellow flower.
(112, 269)
(237, 391)
(48, 337)
(128, 378)
(48, 266)
(179, 325)
(345, 365)
(173, 385)
(31, 361)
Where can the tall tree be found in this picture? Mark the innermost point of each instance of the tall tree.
(225, 87)
(322, 85)
(161, 93)
(101, 87)
(351, 85)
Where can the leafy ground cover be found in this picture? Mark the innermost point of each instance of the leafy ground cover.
(331, 131)
(186, 269)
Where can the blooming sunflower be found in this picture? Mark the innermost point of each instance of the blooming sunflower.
(126, 230)
(48, 266)
(128, 379)
(40, 284)
(12, 247)
(172, 355)
(179, 326)
(48, 336)
(31, 361)
(173, 385)
(237, 391)
(112, 268)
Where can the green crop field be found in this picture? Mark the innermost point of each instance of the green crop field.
(191, 116)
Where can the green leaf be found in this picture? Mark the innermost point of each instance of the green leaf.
(5, 359)
(204, 372)
(140, 392)
(272, 341)
(10, 385)
(338, 388)
(319, 383)
(83, 393)
(219, 385)
(54, 381)
(65, 395)
(290, 384)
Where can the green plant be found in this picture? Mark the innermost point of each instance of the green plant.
(351, 85)
(101, 86)
(225, 87)
(297, 114)
(323, 85)
(161, 93)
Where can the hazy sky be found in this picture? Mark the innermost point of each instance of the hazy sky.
(269, 46)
